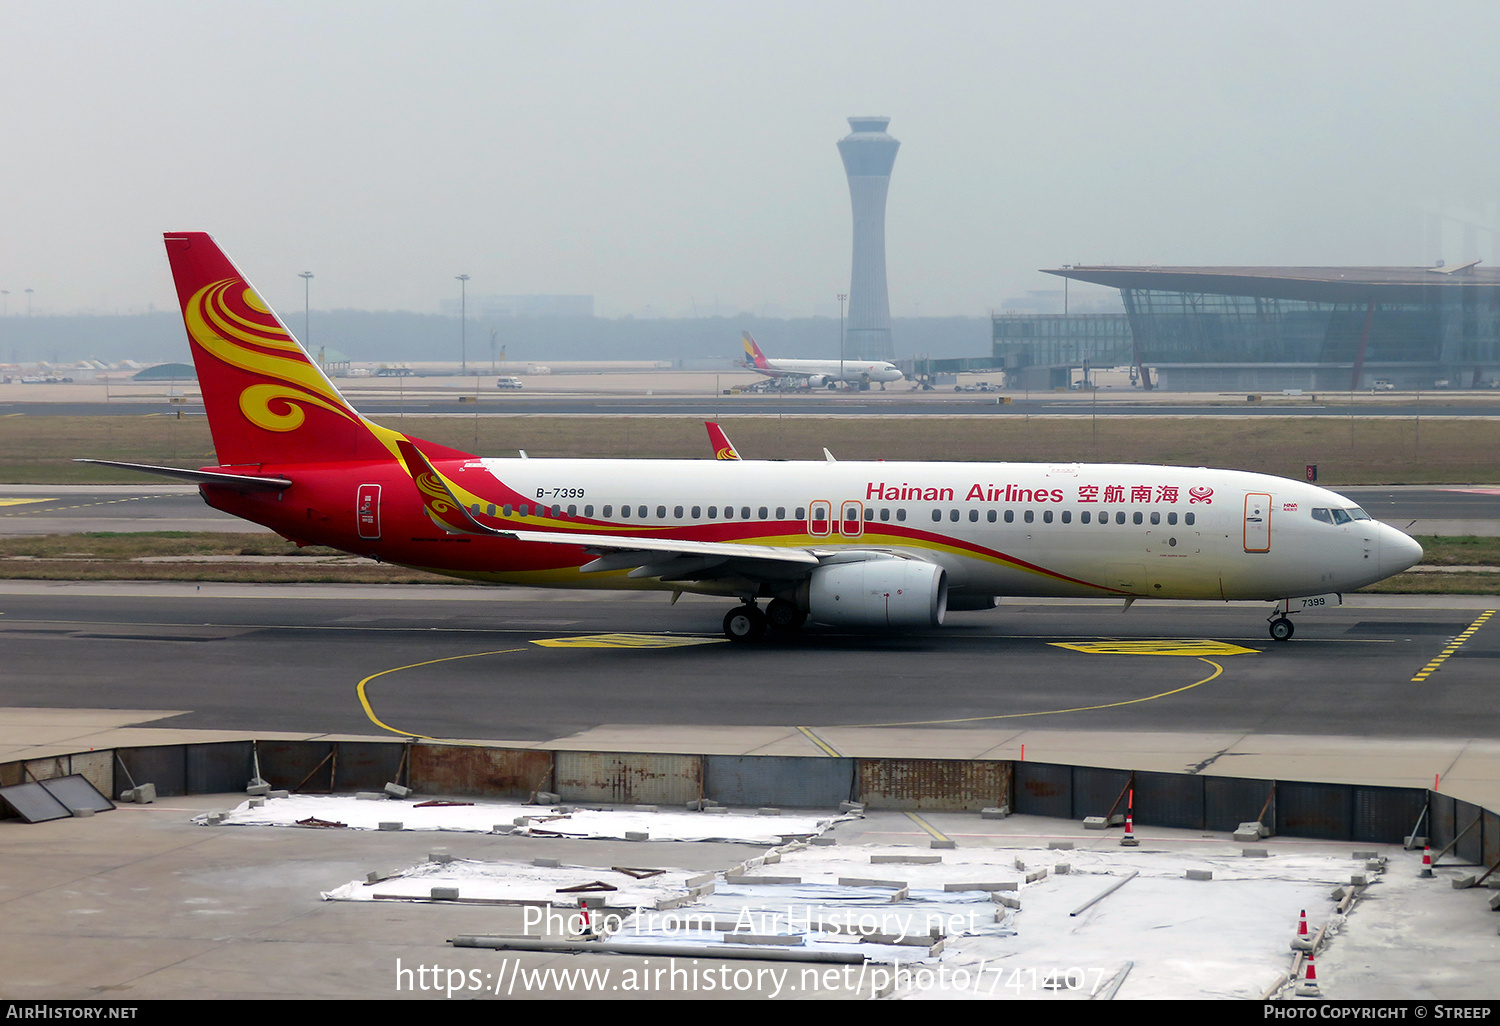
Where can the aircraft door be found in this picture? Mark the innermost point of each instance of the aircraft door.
(367, 511)
(1257, 522)
(852, 519)
(819, 515)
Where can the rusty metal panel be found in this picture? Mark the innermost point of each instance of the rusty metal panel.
(302, 766)
(1490, 849)
(1097, 791)
(1169, 800)
(1384, 815)
(162, 765)
(1043, 789)
(1440, 819)
(1470, 846)
(795, 781)
(366, 765)
(954, 784)
(12, 773)
(46, 769)
(1230, 801)
(480, 772)
(98, 768)
(629, 777)
(1305, 809)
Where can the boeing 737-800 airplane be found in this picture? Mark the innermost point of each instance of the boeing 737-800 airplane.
(861, 544)
(818, 373)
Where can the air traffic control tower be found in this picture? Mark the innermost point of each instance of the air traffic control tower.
(868, 156)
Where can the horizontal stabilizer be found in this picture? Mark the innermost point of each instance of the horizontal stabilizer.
(238, 482)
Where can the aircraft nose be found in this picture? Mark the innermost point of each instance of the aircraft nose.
(1398, 551)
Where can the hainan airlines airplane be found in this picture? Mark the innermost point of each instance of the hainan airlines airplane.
(860, 544)
(820, 372)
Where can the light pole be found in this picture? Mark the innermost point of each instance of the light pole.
(28, 302)
(842, 296)
(463, 326)
(307, 277)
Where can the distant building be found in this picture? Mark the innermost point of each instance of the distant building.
(500, 307)
(1040, 351)
(1250, 328)
(869, 154)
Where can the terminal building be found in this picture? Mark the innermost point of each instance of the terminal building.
(1269, 328)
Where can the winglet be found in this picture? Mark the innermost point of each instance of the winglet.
(753, 354)
(723, 448)
(437, 498)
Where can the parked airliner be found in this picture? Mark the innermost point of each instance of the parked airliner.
(818, 373)
(863, 544)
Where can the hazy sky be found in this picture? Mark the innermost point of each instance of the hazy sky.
(667, 154)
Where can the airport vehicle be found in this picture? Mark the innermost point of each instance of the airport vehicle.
(820, 373)
(508, 383)
(873, 545)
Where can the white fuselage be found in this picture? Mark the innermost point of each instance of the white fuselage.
(997, 528)
(853, 371)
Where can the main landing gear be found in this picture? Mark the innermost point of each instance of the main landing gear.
(747, 623)
(1282, 628)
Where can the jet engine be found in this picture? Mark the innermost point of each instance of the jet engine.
(879, 593)
(817, 380)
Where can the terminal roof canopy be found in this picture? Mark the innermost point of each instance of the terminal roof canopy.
(1311, 284)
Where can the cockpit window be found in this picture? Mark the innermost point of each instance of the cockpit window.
(1323, 515)
(1359, 514)
(1341, 516)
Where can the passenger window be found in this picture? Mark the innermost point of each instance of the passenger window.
(885, 514)
(661, 513)
(901, 514)
(697, 512)
(1137, 518)
(1086, 517)
(1067, 516)
(1103, 517)
(625, 512)
(1155, 517)
(1046, 516)
(728, 512)
(801, 513)
(991, 516)
(973, 516)
(953, 515)
(1029, 515)
(677, 512)
(641, 512)
(780, 512)
(525, 509)
(490, 509)
(765, 514)
(1172, 518)
(608, 512)
(1120, 517)
(937, 515)
(1188, 518)
(572, 511)
(588, 511)
(1010, 516)
(713, 512)
(507, 510)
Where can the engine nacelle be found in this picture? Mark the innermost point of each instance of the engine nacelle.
(817, 380)
(879, 593)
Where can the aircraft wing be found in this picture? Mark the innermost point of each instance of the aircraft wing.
(620, 550)
(238, 482)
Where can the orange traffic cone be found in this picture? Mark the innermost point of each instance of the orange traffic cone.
(1130, 840)
(1426, 863)
(1309, 985)
(1302, 942)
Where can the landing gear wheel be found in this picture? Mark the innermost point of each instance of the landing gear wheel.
(1282, 629)
(744, 623)
(784, 617)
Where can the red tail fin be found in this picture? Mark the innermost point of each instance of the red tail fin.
(267, 402)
